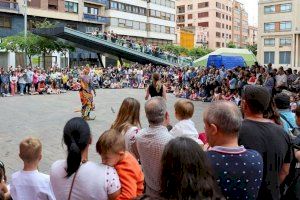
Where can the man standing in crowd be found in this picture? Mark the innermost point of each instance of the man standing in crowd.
(238, 171)
(281, 80)
(151, 142)
(29, 79)
(287, 117)
(267, 138)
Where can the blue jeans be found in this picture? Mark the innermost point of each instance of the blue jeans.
(22, 86)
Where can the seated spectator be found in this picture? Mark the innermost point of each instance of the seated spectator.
(128, 123)
(151, 141)
(194, 96)
(282, 102)
(32, 90)
(184, 110)
(111, 147)
(3, 183)
(41, 87)
(238, 171)
(29, 183)
(186, 173)
(264, 136)
(77, 178)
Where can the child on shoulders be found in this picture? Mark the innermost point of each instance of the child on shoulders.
(111, 147)
(184, 110)
(29, 183)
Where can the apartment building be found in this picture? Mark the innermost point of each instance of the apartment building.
(279, 33)
(82, 15)
(152, 21)
(214, 21)
(252, 35)
(240, 25)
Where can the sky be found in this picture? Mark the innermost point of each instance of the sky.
(251, 7)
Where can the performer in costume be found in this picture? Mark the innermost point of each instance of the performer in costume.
(86, 95)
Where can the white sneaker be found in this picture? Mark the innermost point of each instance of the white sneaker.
(22, 94)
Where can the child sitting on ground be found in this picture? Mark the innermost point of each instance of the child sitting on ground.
(29, 183)
(32, 90)
(184, 110)
(111, 147)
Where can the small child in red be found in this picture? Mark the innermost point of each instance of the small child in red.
(111, 147)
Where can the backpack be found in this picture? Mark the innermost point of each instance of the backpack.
(293, 131)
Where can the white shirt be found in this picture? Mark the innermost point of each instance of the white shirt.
(93, 181)
(130, 139)
(31, 185)
(281, 80)
(186, 128)
(151, 142)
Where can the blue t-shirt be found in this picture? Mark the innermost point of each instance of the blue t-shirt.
(290, 116)
(238, 171)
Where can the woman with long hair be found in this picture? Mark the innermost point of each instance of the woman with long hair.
(156, 88)
(185, 172)
(77, 178)
(128, 122)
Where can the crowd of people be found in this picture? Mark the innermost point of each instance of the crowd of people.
(141, 46)
(196, 84)
(242, 154)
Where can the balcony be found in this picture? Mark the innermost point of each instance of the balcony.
(103, 2)
(9, 6)
(95, 18)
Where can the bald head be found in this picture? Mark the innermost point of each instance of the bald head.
(156, 109)
(225, 115)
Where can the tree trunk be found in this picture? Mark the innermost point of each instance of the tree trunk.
(44, 60)
(30, 62)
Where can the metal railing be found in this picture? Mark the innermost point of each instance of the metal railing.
(95, 18)
(105, 2)
(9, 5)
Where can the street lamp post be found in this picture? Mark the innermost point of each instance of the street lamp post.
(25, 28)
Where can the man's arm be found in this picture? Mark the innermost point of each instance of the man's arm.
(284, 172)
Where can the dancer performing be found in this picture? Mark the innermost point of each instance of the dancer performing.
(86, 95)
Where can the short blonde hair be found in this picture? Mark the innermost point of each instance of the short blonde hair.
(110, 141)
(184, 109)
(30, 149)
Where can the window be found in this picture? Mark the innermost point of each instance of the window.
(122, 22)
(269, 57)
(218, 15)
(285, 41)
(218, 24)
(190, 7)
(285, 26)
(269, 27)
(269, 9)
(218, 44)
(71, 7)
(203, 24)
(286, 7)
(285, 57)
(143, 26)
(190, 16)
(190, 25)
(142, 11)
(203, 14)
(52, 4)
(269, 42)
(5, 22)
(218, 34)
(136, 25)
(203, 5)
(218, 5)
(113, 5)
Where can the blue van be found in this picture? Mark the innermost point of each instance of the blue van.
(229, 62)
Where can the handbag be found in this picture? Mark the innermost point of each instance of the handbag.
(293, 131)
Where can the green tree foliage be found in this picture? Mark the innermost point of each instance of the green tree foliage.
(252, 48)
(194, 53)
(231, 45)
(34, 44)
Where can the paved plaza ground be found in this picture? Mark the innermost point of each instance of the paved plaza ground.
(45, 116)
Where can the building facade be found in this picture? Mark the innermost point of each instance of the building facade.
(279, 33)
(148, 20)
(214, 21)
(240, 25)
(252, 35)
